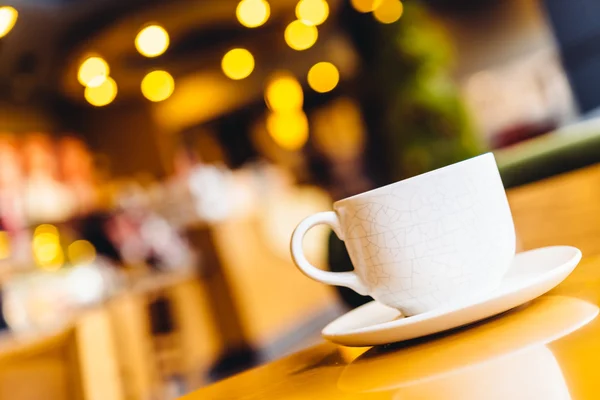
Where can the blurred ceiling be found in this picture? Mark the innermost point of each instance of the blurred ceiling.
(33, 53)
(461, 6)
(40, 57)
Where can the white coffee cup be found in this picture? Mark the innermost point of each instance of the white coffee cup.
(433, 240)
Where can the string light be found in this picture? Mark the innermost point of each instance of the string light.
(389, 11)
(81, 252)
(338, 130)
(284, 93)
(4, 245)
(286, 124)
(103, 94)
(237, 64)
(312, 12)
(288, 129)
(45, 228)
(253, 13)
(8, 19)
(323, 77)
(158, 86)
(93, 71)
(152, 41)
(46, 248)
(365, 6)
(300, 36)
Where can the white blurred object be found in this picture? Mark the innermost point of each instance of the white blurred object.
(45, 301)
(47, 200)
(36, 302)
(531, 89)
(166, 243)
(211, 189)
(86, 284)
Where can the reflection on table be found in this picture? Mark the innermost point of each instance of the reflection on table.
(472, 362)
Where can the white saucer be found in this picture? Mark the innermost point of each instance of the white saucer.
(532, 274)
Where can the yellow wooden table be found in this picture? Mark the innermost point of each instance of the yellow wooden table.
(547, 349)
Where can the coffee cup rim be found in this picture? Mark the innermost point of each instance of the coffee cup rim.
(437, 170)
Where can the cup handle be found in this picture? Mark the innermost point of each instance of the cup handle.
(346, 279)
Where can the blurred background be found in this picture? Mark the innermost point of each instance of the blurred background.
(155, 157)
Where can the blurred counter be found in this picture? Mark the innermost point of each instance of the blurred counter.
(39, 366)
(571, 147)
(106, 351)
(120, 349)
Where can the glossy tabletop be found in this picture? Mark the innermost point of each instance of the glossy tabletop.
(546, 349)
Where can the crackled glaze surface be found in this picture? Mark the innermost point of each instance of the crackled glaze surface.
(431, 240)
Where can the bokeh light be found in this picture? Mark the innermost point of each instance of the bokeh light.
(365, 6)
(158, 85)
(4, 245)
(338, 130)
(86, 284)
(284, 93)
(152, 41)
(93, 71)
(300, 36)
(288, 129)
(46, 249)
(8, 19)
(312, 12)
(45, 228)
(81, 252)
(323, 77)
(388, 11)
(103, 94)
(253, 13)
(237, 64)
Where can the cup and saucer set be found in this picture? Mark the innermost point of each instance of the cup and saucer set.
(436, 252)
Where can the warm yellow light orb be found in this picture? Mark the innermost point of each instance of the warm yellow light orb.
(158, 86)
(365, 6)
(237, 64)
(152, 41)
(323, 77)
(288, 129)
(93, 71)
(284, 93)
(300, 36)
(4, 245)
(388, 11)
(103, 94)
(81, 252)
(46, 249)
(253, 13)
(8, 19)
(45, 228)
(312, 12)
